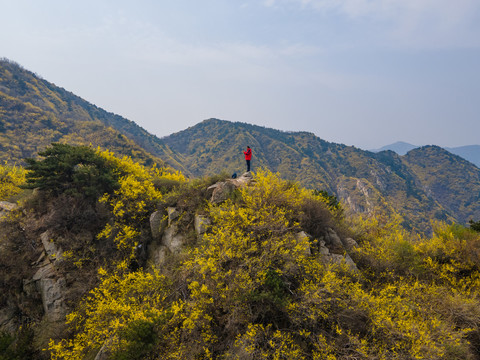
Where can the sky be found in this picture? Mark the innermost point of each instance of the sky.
(359, 72)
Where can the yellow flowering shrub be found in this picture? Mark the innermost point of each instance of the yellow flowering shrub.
(11, 178)
(253, 289)
(133, 203)
(105, 315)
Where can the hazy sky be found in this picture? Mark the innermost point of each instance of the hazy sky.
(359, 72)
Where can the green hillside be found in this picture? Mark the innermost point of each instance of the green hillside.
(447, 178)
(365, 181)
(421, 186)
(34, 113)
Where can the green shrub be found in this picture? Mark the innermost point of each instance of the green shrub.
(73, 170)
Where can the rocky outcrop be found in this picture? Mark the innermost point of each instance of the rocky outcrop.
(158, 222)
(302, 235)
(173, 215)
(173, 239)
(167, 237)
(224, 189)
(6, 207)
(332, 248)
(47, 281)
(54, 253)
(221, 191)
(349, 244)
(53, 298)
(333, 241)
(201, 224)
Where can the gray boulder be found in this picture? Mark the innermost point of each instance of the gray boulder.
(342, 259)
(300, 236)
(333, 241)
(6, 207)
(223, 189)
(323, 249)
(349, 243)
(201, 223)
(172, 239)
(51, 289)
(158, 223)
(173, 215)
(53, 252)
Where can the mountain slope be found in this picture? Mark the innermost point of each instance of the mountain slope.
(35, 113)
(364, 180)
(448, 178)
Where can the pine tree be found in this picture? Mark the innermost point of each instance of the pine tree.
(73, 170)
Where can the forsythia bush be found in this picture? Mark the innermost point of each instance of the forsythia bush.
(132, 203)
(11, 178)
(107, 312)
(253, 288)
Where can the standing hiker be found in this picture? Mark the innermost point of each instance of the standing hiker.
(248, 157)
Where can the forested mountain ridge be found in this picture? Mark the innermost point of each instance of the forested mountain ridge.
(364, 180)
(448, 178)
(34, 113)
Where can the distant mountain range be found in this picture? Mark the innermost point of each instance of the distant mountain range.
(469, 152)
(427, 183)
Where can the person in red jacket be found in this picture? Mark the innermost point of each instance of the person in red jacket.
(248, 157)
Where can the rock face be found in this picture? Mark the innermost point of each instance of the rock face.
(47, 281)
(52, 292)
(333, 241)
(157, 254)
(349, 244)
(54, 253)
(168, 237)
